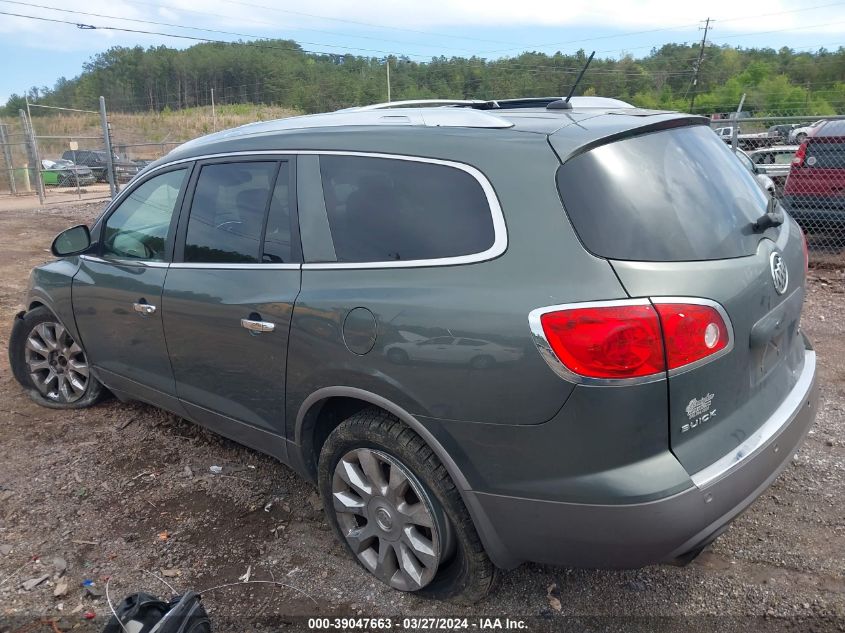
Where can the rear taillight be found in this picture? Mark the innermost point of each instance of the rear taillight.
(691, 332)
(610, 342)
(629, 340)
(798, 159)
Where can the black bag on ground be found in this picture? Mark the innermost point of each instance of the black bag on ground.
(145, 613)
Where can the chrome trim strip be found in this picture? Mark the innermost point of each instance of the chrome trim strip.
(124, 262)
(702, 302)
(190, 265)
(223, 266)
(500, 240)
(783, 415)
(545, 348)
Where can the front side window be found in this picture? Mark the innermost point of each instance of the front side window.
(383, 210)
(228, 212)
(138, 228)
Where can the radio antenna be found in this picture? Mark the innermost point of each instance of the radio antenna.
(564, 103)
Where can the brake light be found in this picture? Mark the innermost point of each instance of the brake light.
(798, 159)
(691, 332)
(634, 340)
(611, 342)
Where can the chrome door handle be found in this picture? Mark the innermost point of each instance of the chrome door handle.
(144, 309)
(257, 326)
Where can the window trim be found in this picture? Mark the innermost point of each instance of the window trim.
(500, 234)
(178, 258)
(97, 254)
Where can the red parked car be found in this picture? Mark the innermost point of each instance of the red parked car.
(815, 189)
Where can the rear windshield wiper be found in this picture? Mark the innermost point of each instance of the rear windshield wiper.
(772, 217)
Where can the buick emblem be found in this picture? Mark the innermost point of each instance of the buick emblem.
(780, 276)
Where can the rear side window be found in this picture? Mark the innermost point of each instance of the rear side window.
(672, 195)
(228, 211)
(383, 210)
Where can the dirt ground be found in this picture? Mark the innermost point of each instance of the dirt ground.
(124, 493)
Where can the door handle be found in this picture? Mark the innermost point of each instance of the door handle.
(257, 326)
(144, 309)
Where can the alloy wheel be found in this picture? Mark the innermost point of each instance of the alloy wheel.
(387, 519)
(56, 363)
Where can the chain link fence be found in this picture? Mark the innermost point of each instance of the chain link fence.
(800, 160)
(58, 157)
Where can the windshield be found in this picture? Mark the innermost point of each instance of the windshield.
(672, 195)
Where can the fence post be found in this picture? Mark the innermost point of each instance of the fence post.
(735, 129)
(107, 138)
(7, 157)
(33, 155)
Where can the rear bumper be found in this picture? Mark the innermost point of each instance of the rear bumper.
(634, 535)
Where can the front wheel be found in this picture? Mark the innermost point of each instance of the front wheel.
(50, 363)
(397, 511)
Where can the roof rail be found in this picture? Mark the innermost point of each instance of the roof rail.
(497, 104)
(477, 104)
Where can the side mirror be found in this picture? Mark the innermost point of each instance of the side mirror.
(71, 241)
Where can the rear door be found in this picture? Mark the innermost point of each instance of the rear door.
(673, 211)
(229, 295)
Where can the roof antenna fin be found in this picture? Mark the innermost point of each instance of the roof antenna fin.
(563, 104)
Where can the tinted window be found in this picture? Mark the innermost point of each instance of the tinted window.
(825, 155)
(277, 238)
(227, 212)
(673, 195)
(387, 210)
(138, 228)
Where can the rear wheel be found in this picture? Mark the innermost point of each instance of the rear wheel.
(799, 138)
(397, 511)
(46, 359)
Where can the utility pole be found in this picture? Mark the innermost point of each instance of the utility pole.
(387, 60)
(698, 64)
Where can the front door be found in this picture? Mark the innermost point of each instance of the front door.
(117, 291)
(229, 295)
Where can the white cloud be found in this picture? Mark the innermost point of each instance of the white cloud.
(322, 22)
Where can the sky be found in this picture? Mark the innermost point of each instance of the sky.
(38, 52)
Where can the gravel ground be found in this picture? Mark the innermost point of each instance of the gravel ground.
(120, 493)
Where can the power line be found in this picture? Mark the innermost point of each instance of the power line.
(341, 20)
(674, 28)
(179, 26)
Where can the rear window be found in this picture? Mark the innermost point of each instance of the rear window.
(825, 155)
(383, 210)
(672, 195)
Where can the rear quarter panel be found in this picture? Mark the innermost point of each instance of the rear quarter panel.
(543, 265)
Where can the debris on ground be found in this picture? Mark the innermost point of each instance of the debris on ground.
(32, 583)
(60, 589)
(553, 596)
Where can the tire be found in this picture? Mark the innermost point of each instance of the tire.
(60, 381)
(800, 138)
(457, 566)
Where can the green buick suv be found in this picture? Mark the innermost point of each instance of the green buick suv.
(490, 332)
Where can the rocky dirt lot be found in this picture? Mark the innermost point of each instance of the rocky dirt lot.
(125, 492)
